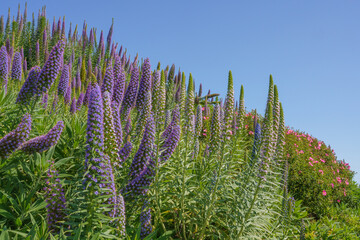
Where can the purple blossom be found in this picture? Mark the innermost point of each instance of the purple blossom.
(145, 84)
(73, 106)
(117, 124)
(170, 144)
(64, 81)
(110, 140)
(175, 121)
(44, 100)
(51, 68)
(67, 97)
(16, 70)
(55, 199)
(4, 66)
(44, 142)
(119, 78)
(145, 219)
(79, 102)
(108, 82)
(28, 89)
(87, 94)
(144, 153)
(130, 94)
(124, 153)
(10, 142)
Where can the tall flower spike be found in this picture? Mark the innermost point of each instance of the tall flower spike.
(108, 82)
(276, 113)
(145, 219)
(144, 114)
(64, 81)
(215, 130)
(55, 199)
(144, 153)
(117, 124)
(44, 100)
(125, 152)
(267, 148)
(160, 115)
(257, 141)
(79, 102)
(51, 68)
(16, 70)
(44, 142)
(4, 67)
(73, 106)
(281, 137)
(145, 84)
(174, 121)
(270, 98)
(199, 121)
(182, 94)
(170, 144)
(189, 107)
(10, 142)
(156, 93)
(28, 89)
(130, 94)
(229, 106)
(67, 97)
(110, 141)
(241, 113)
(119, 78)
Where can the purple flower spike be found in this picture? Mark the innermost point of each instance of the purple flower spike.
(145, 84)
(10, 142)
(175, 121)
(144, 153)
(145, 219)
(79, 102)
(170, 144)
(44, 142)
(28, 89)
(124, 153)
(130, 94)
(73, 106)
(4, 66)
(55, 198)
(64, 81)
(117, 124)
(119, 77)
(51, 68)
(67, 97)
(87, 94)
(44, 100)
(108, 82)
(16, 70)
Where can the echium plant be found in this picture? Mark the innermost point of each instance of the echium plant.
(4, 67)
(229, 107)
(64, 81)
(108, 82)
(155, 92)
(145, 151)
(276, 113)
(215, 130)
(55, 199)
(174, 122)
(189, 107)
(169, 145)
(51, 68)
(110, 140)
(28, 89)
(145, 84)
(44, 142)
(119, 79)
(281, 137)
(10, 142)
(241, 111)
(130, 94)
(16, 69)
(144, 113)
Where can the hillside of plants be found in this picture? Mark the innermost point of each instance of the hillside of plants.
(98, 144)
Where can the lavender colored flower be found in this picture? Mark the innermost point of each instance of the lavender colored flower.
(64, 81)
(199, 121)
(51, 68)
(79, 102)
(145, 84)
(229, 107)
(170, 144)
(130, 94)
(145, 219)
(128, 127)
(119, 78)
(175, 121)
(54, 104)
(10, 142)
(215, 129)
(28, 89)
(117, 124)
(16, 70)
(44, 100)
(108, 82)
(257, 141)
(55, 199)
(87, 94)
(73, 106)
(44, 142)
(4, 66)
(121, 214)
(144, 114)
(144, 153)
(124, 153)
(67, 97)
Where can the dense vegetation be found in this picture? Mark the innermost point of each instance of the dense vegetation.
(96, 145)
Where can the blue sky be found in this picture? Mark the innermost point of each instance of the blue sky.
(312, 49)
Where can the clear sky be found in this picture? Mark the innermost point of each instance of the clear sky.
(312, 49)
